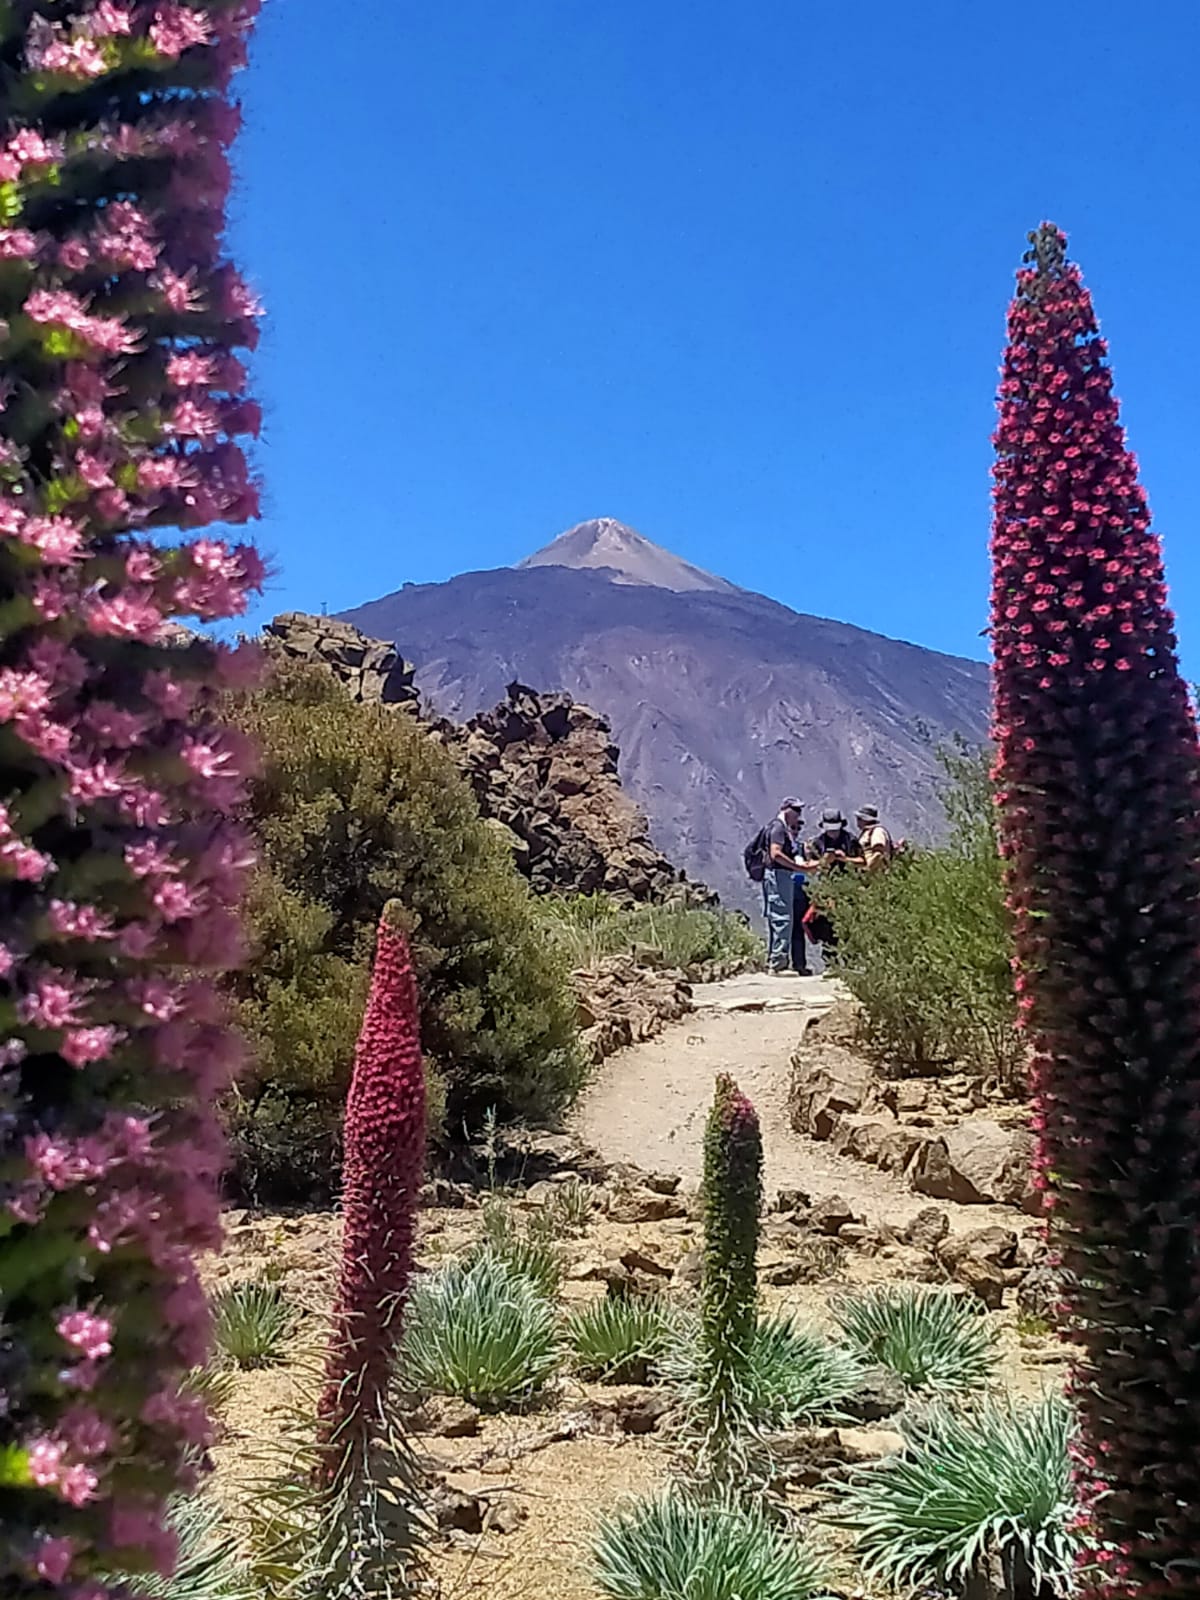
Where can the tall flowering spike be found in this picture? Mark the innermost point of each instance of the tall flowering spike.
(120, 406)
(1098, 786)
(383, 1170)
(732, 1202)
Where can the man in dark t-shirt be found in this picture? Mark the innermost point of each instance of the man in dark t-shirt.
(778, 888)
(832, 850)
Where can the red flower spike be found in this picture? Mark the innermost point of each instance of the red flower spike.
(383, 1170)
(1101, 787)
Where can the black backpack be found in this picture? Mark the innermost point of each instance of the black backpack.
(755, 856)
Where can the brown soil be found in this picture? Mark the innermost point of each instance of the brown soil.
(646, 1108)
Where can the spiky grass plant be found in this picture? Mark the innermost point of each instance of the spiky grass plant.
(212, 1384)
(570, 1207)
(209, 1565)
(969, 1486)
(252, 1323)
(794, 1374)
(930, 1338)
(791, 1374)
(619, 1339)
(527, 1246)
(679, 1548)
(481, 1331)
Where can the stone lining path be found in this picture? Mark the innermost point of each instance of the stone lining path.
(648, 1103)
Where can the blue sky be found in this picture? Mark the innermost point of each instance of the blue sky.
(736, 275)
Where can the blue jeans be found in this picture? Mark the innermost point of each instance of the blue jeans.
(778, 892)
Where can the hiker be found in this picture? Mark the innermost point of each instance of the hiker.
(780, 848)
(832, 850)
(875, 842)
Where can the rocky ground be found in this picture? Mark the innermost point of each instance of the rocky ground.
(517, 1496)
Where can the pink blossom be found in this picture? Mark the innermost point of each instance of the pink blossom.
(31, 149)
(49, 739)
(22, 693)
(17, 244)
(53, 1003)
(90, 1335)
(87, 1433)
(78, 1484)
(175, 901)
(108, 20)
(150, 858)
(23, 862)
(196, 419)
(57, 539)
(45, 1461)
(72, 921)
(83, 1046)
(60, 1163)
(177, 28)
(188, 369)
(179, 291)
(124, 616)
(52, 1560)
(74, 58)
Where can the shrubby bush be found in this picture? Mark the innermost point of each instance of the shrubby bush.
(355, 805)
(586, 928)
(926, 946)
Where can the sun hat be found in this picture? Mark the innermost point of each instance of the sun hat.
(867, 813)
(792, 804)
(831, 820)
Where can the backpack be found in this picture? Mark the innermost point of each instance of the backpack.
(754, 856)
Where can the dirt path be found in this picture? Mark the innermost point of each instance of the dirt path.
(649, 1102)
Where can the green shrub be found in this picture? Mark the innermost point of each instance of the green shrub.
(480, 1331)
(355, 805)
(678, 1548)
(930, 1338)
(968, 1485)
(251, 1324)
(586, 928)
(925, 946)
(619, 1339)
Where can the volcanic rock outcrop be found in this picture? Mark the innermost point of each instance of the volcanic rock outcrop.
(371, 670)
(542, 767)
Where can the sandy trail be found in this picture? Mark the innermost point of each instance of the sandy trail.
(648, 1103)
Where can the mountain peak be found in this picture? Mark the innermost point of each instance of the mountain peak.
(606, 545)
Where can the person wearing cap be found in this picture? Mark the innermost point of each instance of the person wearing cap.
(779, 865)
(875, 842)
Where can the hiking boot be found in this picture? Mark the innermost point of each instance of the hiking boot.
(802, 972)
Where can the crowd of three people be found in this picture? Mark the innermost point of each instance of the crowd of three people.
(792, 919)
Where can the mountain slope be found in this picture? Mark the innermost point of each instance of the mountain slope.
(722, 701)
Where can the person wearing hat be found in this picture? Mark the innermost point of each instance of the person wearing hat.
(875, 842)
(832, 850)
(834, 846)
(779, 865)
